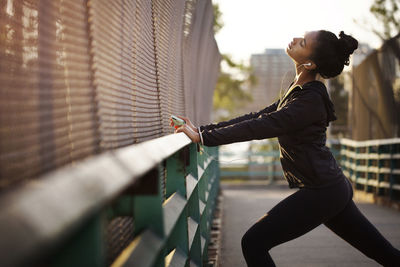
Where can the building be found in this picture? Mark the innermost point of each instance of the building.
(274, 71)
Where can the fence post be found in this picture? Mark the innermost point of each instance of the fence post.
(194, 206)
(380, 176)
(175, 184)
(85, 248)
(368, 175)
(392, 166)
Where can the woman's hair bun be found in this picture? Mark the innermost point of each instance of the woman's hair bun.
(347, 45)
(331, 53)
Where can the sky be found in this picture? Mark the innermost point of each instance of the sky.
(251, 26)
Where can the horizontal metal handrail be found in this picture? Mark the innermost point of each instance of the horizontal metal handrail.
(253, 164)
(40, 214)
(372, 165)
(375, 142)
(273, 153)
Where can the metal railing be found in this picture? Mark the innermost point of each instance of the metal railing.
(252, 164)
(373, 166)
(255, 160)
(165, 186)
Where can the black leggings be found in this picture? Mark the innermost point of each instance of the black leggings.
(306, 209)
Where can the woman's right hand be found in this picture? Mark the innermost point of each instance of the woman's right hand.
(188, 123)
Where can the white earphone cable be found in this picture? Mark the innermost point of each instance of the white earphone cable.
(222, 161)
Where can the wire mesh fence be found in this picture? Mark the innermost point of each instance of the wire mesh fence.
(81, 77)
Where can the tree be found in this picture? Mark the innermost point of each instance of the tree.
(387, 28)
(230, 92)
(218, 23)
(388, 14)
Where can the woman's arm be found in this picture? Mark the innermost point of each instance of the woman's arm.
(195, 133)
(245, 117)
(304, 110)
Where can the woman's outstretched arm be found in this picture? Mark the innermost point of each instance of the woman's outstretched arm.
(245, 117)
(304, 110)
(193, 133)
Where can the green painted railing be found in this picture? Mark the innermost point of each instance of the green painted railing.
(250, 164)
(373, 166)
(165, 185)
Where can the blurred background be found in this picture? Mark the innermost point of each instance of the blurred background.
(91, 173)
(255, 69)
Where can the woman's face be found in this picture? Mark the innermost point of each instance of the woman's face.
(301, 48)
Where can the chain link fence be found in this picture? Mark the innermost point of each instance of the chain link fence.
(78, 78)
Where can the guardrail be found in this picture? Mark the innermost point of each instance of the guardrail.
(373, 166)
(165, 187)
(250, 164)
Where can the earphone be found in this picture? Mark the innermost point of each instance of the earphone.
(305, 64)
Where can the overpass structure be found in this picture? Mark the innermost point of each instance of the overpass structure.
(90, 172)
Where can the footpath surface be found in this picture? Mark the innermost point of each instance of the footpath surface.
(244, 204)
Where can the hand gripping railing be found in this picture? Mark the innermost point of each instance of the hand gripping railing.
(165, 185)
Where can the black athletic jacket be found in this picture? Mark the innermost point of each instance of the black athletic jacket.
(299, 121)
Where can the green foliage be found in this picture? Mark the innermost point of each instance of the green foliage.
(387, 12)
(218, 23)
(230, 92)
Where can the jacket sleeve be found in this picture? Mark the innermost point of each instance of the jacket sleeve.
(305, 109)
(248, 116)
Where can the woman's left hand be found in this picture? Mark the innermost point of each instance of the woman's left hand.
(194, 136)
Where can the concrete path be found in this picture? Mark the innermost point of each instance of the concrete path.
(244, 204)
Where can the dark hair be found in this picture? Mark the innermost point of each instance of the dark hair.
(331, 53)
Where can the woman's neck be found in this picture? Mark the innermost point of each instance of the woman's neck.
(303, 76)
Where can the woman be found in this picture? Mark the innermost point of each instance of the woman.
(299, 121)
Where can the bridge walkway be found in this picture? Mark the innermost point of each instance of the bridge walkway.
(244, 203)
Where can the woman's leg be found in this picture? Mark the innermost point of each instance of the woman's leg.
(351, 225)
(292, 217)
